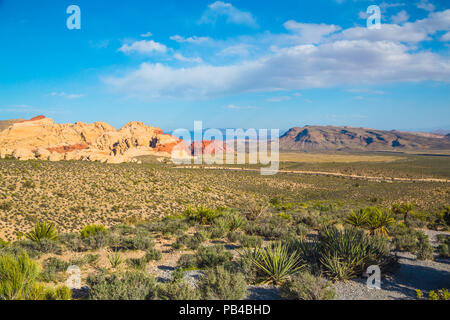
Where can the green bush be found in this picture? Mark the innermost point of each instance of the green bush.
(213, 256)
(180, 290)
(92, 230)
(52, 266)
(42, 231)
(347, 254)
(305, 286)
(444, 251)
(153, 255)
(220, 284)
(424, 250)
(274, 263)
(202, 214)
(18, 276)
(187, 261)
(132, 285)
(138, 263)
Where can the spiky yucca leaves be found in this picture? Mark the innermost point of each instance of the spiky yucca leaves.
(275, 262)
(42, 231)
(346, 254)
(358, 219)
(379, 222)
(374, 219)
(115, 259)
(17, 277)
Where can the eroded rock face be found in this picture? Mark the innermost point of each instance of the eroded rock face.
(41, 138)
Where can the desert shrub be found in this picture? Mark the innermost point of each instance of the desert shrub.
(424, 250)
(132, 285)
(442, 294)
(270, 228)
(42, 231)
(137, 243)
(96, 241)
(41, 292)
(18, 276)
(218, 232)
(3, 243)
(253, 209)
(404, 238)
(187, 261)
(444, 251)
(92, 230)
(169, 227)
(446, 214)
(153, 254)
(220, 284)
(250, 241)
(192, 242)
(203, 214)
(72, 241)
(358, 219)
(180, 290)
(213, 256)
(234, 236)
(305, 286)
(347, 254)
(137, 263)
(52, 266)
(274, 263)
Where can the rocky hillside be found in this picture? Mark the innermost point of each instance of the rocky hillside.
(41, 138)
(329, 138)
(5, 124)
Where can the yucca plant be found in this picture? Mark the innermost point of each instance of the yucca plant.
(115, 259)
(18, 277)
(379, 221)
(358, 219)
(275, 262)
(42, 231)
(345, 254)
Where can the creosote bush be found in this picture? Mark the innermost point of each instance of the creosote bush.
(220, 284)
(131, 285)
(305, 286)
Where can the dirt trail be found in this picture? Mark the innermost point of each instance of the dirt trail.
(320, 173)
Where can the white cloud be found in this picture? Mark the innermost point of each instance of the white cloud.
(370, 91)
(400, 17)
(338, 63)
(279, 99)
(180, 57)
(146, 35)
(311, 32)
(235, 107)
(193, 39)
(446, 37)
(143, 46)
(232, 14)
(425, 5)
(66, 95)
(236, 50)
(309, 56)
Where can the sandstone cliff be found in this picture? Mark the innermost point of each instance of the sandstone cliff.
(41, 138)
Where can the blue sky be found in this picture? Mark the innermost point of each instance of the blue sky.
(261, 64)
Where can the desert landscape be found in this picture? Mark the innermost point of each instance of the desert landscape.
(224, 159)
(139, 226)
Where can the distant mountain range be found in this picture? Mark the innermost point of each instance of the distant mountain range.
(40, 137)
(330, 138)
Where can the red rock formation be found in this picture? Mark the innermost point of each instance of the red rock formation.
(33, 119)
(208, 147)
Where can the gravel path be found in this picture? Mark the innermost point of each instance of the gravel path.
(412, 274)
